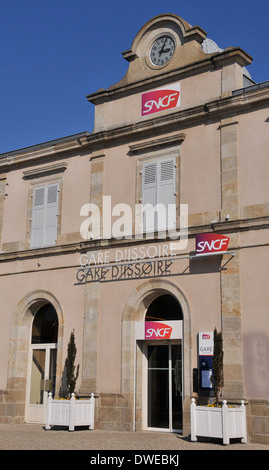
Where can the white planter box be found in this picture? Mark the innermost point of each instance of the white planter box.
(225, 423)
(70, 413)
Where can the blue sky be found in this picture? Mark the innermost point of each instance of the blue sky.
(55, 52)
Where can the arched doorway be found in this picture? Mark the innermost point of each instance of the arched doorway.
(163, 352)
(134, 344)
(42, 362)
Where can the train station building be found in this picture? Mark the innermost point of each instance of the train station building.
(142, 237)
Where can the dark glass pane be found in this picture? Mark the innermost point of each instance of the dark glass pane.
(159, 383)
(45, 325)
(158, 386)
(176, 386)
(52, 370)
(37, 377)
(165, 307)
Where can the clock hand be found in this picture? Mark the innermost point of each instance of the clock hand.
(162, 49)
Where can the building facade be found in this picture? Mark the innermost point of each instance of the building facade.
(83, 247)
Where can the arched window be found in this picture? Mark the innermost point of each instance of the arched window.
(45, 325)
(43, 361)
(164, 307)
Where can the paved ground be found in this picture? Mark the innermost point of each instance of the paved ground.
(35, 437)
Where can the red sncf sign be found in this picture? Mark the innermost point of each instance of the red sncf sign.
(211, 243)
(156, 330)
(160, 100)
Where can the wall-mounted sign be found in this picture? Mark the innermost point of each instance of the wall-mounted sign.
(211, 243)
(158, 330)
(167, 97)
(205, 352)
(125, 271)
(206, 343)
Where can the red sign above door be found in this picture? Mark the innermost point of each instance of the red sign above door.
(156, 330)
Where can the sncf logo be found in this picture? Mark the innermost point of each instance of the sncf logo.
(205, 336)
(155, 330)
(211, 243)
(161, 99)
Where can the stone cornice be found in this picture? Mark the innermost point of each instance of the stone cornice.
(53, 168)
(240, 102)
(169, 122)
(44, 151)
(105, 244)
(159, 143)
(215, 109)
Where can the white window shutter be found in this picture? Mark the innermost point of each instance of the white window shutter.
(166, 192)
(38, 214)
(44, 216)
(158, 190)
(51, 213)
(149, 195)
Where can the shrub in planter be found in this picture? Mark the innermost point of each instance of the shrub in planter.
(223, 422)
(218, 376)
(70, 371)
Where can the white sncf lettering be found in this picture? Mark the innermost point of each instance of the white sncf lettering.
(161, 103)
(213, 245)
(158, 332)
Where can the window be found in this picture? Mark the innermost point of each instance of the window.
(158, 195)
(44, 215)
(164, 308)
(45, 325)
(43, 361)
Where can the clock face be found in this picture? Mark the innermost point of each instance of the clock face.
(162, 50)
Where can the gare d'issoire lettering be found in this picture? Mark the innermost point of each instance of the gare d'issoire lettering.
(125, 271)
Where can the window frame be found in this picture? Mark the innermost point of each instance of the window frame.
(158, 157)
(39, 183)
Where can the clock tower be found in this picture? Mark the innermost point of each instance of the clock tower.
(168, 50)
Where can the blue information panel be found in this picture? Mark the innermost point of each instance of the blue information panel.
(205, 368)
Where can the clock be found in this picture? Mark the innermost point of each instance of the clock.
(162, 50)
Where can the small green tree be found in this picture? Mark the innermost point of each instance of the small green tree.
(71, 371)
(218, 376)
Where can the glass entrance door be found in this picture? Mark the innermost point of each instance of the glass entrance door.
(164, 391)
(42, 381)
(42, 363)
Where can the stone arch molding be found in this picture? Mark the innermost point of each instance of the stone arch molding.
(20, 337)
(169, 21)
(31, 303)
(134, 311)
(144, 294)
(187, 38)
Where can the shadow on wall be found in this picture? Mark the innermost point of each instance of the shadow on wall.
(256, 364)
